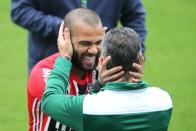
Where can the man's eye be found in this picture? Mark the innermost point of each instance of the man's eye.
(98, 42)
(85, 43)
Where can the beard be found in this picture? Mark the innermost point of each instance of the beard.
(78, 61)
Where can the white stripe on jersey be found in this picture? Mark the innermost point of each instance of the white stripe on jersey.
(41, 120)
(47, 124)
(122, 102)
(33, 113)
(76, 87)
(37, 115)
(57, 125)
(63, 128)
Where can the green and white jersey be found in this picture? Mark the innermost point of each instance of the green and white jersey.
(119, 106)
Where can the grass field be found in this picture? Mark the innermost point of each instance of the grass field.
(171, 44)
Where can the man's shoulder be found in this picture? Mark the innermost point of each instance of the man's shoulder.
(158, 91)
(162, 97)
(47, 62)
(40, 74)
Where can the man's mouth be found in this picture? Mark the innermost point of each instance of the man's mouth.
(89, 60)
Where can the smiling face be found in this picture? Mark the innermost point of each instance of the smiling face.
(86, 40)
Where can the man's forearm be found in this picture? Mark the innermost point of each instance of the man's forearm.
(56, 85)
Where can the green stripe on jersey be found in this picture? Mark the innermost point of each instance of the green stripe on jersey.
(151, 121)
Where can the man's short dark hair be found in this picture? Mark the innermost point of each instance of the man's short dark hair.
(83, 15)
(123, 45)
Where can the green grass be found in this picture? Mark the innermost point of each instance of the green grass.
(170, 64)
(13, 73)
(170, 56)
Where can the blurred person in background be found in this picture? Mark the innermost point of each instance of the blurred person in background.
(42, 19)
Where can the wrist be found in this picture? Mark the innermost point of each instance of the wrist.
(100, 81)
(96, 86)
(66, 57)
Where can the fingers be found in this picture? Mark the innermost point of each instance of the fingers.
(135, 80)
(135, 76)
(103, 63)
(60, 35)
(61, 26)
(113, 71)
(63, 33)
(100, 61)
(138, 67)
(66, 34)
(110, 75)
(114, 77)
(141, 58)
(121, 79)
(64, 42)
(61, 29)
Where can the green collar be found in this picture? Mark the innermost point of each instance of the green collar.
(84, 3)
(125, 85)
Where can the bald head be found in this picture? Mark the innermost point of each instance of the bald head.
(86, 16)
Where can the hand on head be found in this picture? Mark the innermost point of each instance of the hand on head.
(117, 73)
(136, 76)
(113, 74)
(65, 46)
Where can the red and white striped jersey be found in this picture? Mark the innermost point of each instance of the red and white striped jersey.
(38, 121)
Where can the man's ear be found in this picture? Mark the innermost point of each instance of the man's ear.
(141, 60)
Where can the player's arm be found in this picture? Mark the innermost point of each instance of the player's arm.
(64, 108)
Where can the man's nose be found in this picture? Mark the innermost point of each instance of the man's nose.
(93, 49)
